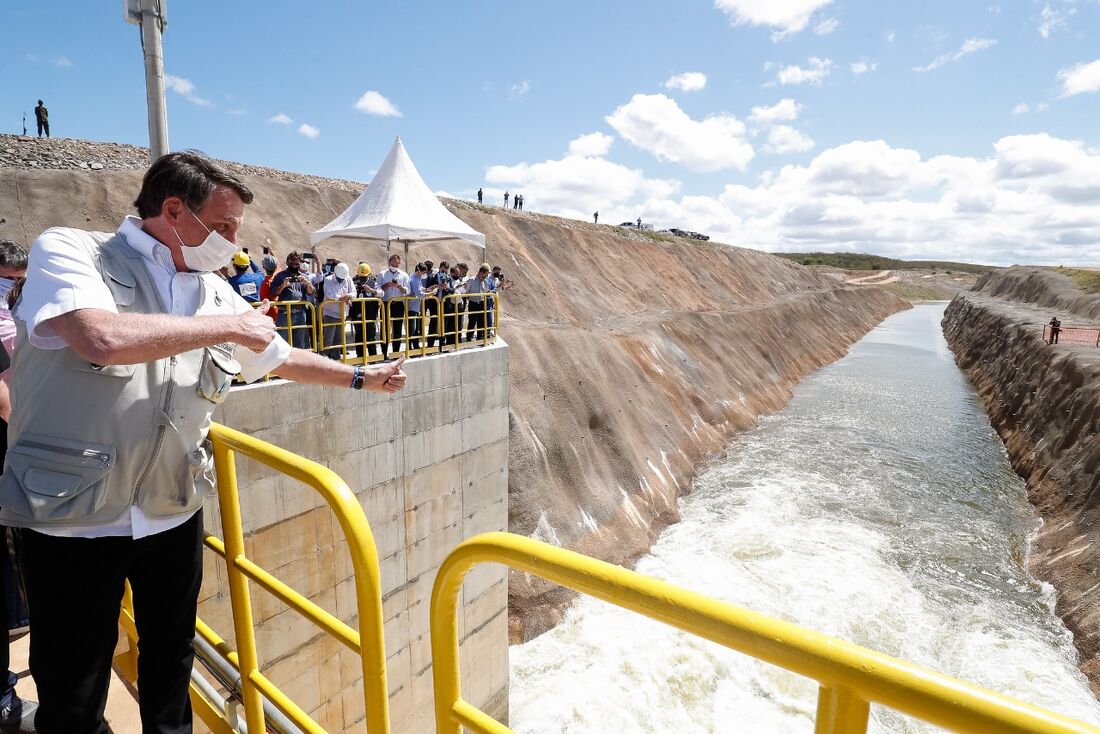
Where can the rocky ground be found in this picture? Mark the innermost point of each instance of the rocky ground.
(25, 151)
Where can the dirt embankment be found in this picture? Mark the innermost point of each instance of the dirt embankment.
(633, 359)
(1044, 401)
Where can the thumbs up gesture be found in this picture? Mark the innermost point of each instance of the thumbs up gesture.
(386, 377)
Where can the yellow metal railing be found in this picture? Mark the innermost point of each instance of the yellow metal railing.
(851, 677)
(478, 313)
(368, 324)
(366, 641)
(457, 321)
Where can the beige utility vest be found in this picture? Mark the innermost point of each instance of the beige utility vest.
(85, 442)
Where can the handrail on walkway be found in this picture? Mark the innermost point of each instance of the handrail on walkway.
(851, 677)
(366, 641)
(1073, 335)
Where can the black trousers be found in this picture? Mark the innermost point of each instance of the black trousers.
(475, 323)
(75, 586)
(397, 323)
(432, 309)
(450, 325)
(415, 323)
(44, 126)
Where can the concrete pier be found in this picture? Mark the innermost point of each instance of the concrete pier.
(430, 466)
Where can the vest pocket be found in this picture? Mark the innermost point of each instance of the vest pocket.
(198, 472)
(74, 361)
(216, 373)
(49, 479)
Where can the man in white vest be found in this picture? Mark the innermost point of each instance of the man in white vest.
(126, 343)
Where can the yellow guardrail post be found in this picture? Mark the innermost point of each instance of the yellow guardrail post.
(852, 677)
(368, 641)
(243, 628)
(839, 711)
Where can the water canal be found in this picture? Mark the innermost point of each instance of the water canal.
(879, 507)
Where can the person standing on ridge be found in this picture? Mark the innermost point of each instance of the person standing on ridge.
(479, 195)
(596, 218)
(505, 199)
(42, 115)
(521, 202)
(126, 344)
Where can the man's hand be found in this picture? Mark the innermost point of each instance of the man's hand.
(386, 377)
(255, 329)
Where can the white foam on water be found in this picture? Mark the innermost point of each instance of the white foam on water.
(814, 525)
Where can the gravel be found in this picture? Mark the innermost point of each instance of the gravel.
(24, 151)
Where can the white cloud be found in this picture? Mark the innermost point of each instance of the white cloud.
(591, 145)
(519, 89)
(238, 112)
(783, 110)
(62, 62)
(655, 123)
(309, 131)
(1021, 109)
(1080, 79)
(971, 45)
(826, 26)
(374, 103)
(689, 81)
(281, 119)
(186, 89)
(890, 36)
(863, 66)
(785, 139)
(1034, 198)
(785, 16)
(575, 186)
(814, 73)
(1053, 19)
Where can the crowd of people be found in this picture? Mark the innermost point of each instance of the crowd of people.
(421, 302)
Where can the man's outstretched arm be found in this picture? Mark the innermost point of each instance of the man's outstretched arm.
(104, 338)
(305, 366)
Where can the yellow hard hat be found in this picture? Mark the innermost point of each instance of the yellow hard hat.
(241, 259)
(486, 266)
(363, 269)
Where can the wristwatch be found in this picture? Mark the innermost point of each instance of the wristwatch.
(359, 377)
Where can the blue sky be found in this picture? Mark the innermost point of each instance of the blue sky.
(933, 129)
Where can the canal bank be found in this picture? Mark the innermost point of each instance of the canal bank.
(1044, 402)
(879, 507)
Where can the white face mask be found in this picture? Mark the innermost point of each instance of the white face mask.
(5, 288)
(393, 268)
(214, 252)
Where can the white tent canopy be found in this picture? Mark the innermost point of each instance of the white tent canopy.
(399, 206)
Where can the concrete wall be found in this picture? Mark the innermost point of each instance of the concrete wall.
(430, 466)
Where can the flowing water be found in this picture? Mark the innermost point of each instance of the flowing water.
(878, 507)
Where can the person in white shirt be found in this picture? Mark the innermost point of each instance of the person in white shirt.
(336, 290)
(395, 285)
(126, 344)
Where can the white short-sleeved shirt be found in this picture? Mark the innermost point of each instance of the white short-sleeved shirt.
(62, 277)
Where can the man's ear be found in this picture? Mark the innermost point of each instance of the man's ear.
(172, 210)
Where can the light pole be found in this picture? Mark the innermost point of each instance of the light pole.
(152, 16)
